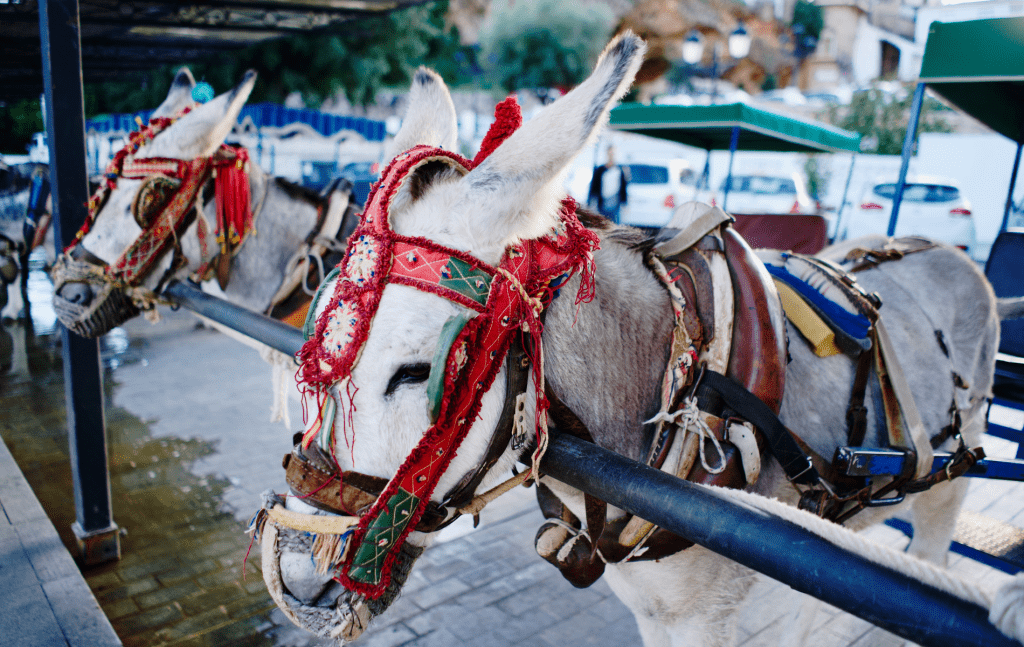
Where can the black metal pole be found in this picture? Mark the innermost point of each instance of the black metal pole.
(1009, 194)
(83, 378)
(734, 142)
(271, 332)
(775, 547)
(908, 149)
(846, 194)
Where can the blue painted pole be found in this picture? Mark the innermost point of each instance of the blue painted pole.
(61, 46)
(1009, 194)
(734, 141)
(908, 149)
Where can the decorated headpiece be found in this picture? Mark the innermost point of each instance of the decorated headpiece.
(507, 301)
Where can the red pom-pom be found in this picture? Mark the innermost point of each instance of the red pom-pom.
(508, 117)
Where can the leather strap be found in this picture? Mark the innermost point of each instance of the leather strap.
(856, 412)
(517, 375)
(795, 462)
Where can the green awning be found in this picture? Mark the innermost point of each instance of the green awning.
(710, 128)
(978, 66)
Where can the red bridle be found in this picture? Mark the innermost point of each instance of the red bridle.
(508, 301)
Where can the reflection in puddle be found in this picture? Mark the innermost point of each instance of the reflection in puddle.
(180, 580)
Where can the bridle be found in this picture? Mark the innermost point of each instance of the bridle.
(164, 207)
(507, 302)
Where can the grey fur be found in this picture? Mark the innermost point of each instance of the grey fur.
(1011, 307)
(622, 53)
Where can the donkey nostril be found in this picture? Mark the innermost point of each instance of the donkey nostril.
(77, 293)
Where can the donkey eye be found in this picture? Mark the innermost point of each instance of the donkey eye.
(408, 374)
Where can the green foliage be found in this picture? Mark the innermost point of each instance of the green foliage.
(808, 15)
(18, 121)
(882, 119)
(361, 58)
(543, 44)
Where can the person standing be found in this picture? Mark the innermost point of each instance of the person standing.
(608, 188)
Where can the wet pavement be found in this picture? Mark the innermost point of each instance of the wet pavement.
(191, 448)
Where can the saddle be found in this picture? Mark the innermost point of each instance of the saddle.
(734, 408)
(739, 348)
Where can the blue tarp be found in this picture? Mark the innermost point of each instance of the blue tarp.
(262, 114)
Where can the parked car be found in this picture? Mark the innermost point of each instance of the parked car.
(655, 189)
(931, 207)
(762, 193)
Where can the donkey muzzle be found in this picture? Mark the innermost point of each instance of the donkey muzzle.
(85, 300)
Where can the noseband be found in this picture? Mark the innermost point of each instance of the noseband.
(164, 207)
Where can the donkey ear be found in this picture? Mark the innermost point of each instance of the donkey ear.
(430, 117)
(517, 187)
(202, 131)
(179, 96)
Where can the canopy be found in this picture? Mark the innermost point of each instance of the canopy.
(711, 127)
(978, 67)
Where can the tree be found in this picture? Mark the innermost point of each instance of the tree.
(360, 58)
(18, 121)
(543, 44)
(882, 118)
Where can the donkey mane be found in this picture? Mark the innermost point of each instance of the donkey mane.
(298, 192)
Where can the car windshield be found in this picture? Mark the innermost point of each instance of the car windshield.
(688, 177)
(920, 192)
(762, 185)
(647, 174)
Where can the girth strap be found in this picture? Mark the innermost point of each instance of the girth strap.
(794, 461)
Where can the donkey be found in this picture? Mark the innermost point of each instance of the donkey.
(604, 359)
(285, 217)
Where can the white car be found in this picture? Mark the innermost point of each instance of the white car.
(931, 207)
(761, 193)
(654, 191)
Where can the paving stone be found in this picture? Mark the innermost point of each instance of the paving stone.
(133, 625)
(26, 619)
(186, 571)
(249, 605)
(199, 602)
(439, 592)
(194, 625)
(48, 556)
(139, 571)
(166, 594)
(436, 638)
(387, 636)
(78, 613)
(16, 570)
(120, 608)
(129, 589)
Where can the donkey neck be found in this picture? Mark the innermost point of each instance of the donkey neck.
(607, 362)
(283, 217)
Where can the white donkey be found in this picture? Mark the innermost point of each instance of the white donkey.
(285, 217)
(605, 360)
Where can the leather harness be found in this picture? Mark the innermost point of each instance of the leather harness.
(750, 391)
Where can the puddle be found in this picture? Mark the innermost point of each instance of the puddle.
(180, 579)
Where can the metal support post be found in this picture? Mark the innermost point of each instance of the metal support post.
(734, 141)
(705, 175)
(846, 193)
(1009, 194)
(908, 149)
(97, 534)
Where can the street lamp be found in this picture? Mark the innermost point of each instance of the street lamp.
(693, 51)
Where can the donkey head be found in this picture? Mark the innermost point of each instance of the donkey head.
(89, 299)
(384, 403)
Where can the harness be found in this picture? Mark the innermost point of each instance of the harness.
(164, 207)
(505, 304)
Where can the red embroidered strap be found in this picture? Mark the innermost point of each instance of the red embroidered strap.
(507, 299)
(234, 213)
(139, 258)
